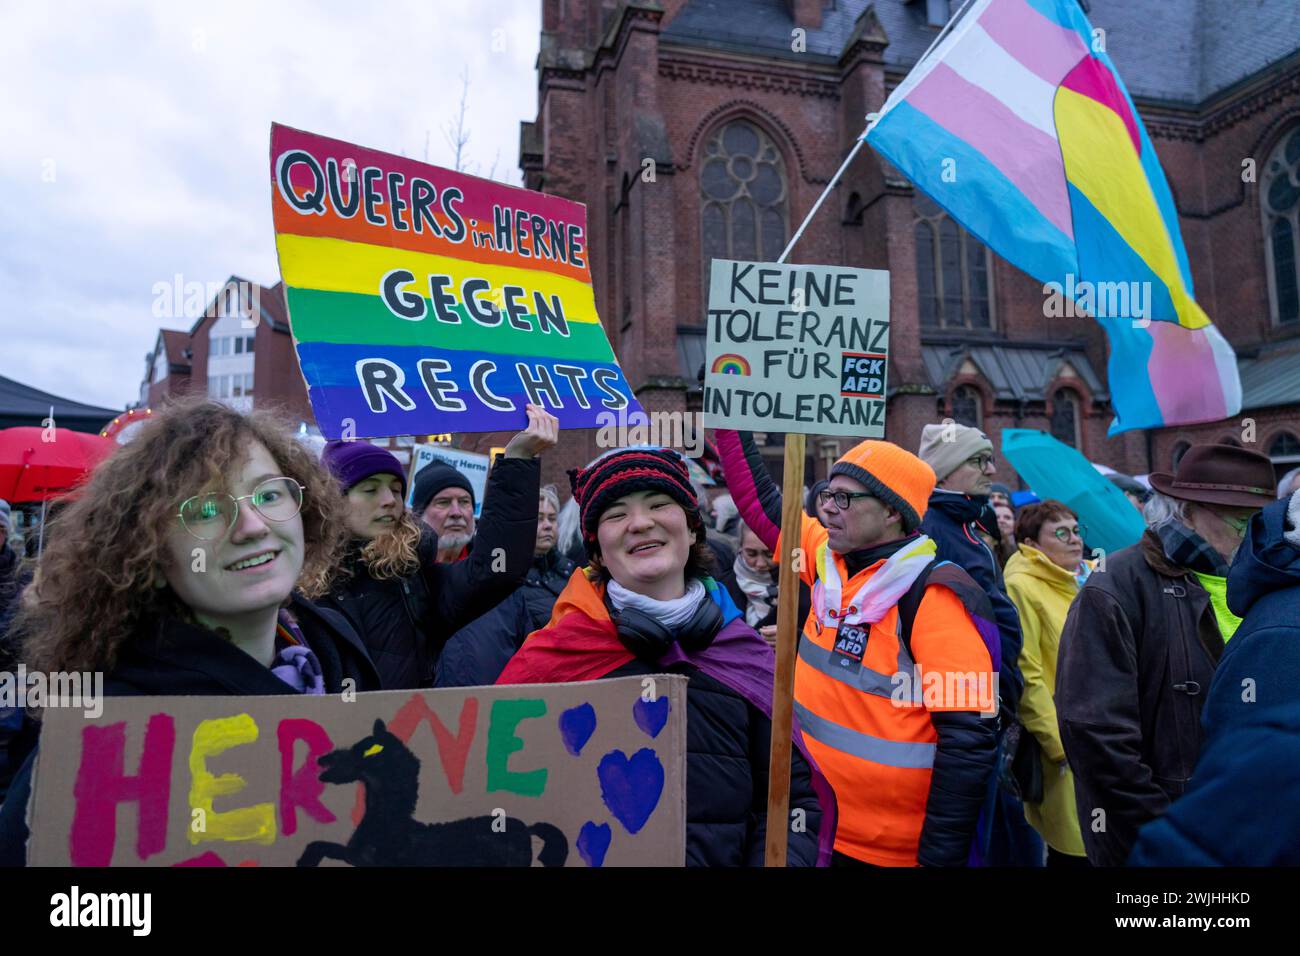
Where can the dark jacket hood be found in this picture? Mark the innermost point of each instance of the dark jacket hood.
(1265, 562)
(174, 657)
(957, 506)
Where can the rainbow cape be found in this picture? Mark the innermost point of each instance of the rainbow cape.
(1018, 125)
(580, 643)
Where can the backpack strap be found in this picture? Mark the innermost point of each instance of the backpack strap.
(972, 596)
(910, 603)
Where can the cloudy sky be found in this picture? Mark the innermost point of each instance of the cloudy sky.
(136, 145)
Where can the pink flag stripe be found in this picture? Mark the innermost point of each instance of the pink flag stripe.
(1045, 48)
(1029, 158)
(1091, 78)
(1183, 373)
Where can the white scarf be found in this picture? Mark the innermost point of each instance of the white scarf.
(881, 592)
(671, 614)
(1293, 514)
(755, 587)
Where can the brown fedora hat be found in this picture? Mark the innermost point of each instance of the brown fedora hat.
(1219, 475)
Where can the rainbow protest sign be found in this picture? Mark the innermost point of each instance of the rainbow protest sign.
(423, 300)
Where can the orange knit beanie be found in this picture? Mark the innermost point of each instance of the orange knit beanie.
(895, 476)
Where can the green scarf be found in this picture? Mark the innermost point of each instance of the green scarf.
(1218, 590)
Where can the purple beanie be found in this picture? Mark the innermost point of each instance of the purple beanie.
(354, 461)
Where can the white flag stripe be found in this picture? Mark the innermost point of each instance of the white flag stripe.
(922, 69)
(982, 62)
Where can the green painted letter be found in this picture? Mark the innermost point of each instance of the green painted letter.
(502, 742)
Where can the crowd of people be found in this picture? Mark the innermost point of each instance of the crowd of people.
(973, 685)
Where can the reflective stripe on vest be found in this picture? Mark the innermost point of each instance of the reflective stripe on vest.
(891, 753)
(865, 679)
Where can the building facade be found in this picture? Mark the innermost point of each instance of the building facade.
(238, 351)
(695, 129)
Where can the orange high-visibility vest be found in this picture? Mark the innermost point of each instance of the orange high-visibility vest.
(869, 728)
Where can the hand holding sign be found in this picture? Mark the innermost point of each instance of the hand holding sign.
(543, 432)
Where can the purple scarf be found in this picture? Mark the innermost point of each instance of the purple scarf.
(742, 661)
(294, 663)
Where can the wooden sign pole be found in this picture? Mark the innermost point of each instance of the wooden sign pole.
(787, 641)
(787, 607)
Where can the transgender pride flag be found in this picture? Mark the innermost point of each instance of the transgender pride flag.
(1053, 170)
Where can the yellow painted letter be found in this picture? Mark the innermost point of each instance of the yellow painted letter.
(254, 824)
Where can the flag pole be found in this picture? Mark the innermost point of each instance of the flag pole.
(825, 192)
(871, 121)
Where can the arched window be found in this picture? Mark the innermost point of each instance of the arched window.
(1281, 208)
(1065, 417)
(743, 196)
(1284, 448)
(966, 406)
(952, 271)
(1179, 451)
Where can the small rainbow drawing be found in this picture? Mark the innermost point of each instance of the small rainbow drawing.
(731, 365)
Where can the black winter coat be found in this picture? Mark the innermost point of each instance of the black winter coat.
(950, 520)
(478, 653)
(14, 577)
(175, 658)
(406, 621)
(1137, 654)
(728, 746)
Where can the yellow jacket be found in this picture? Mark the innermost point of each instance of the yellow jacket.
(1042, 593)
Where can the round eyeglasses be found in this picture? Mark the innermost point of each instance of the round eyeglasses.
(211, 516)
(1064, 534)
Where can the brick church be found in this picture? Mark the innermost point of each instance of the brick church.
(695, 129)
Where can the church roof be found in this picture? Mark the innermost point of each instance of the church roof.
(1177, 51)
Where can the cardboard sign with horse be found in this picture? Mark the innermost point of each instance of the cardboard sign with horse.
(589, 774)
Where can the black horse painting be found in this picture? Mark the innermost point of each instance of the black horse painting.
(388, 834)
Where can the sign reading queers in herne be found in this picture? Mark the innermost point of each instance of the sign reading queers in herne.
(797, 348)
(423, 300)
(586, 774)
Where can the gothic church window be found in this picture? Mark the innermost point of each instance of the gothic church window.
(743, 196)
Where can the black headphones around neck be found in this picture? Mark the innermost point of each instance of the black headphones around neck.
(649, 640)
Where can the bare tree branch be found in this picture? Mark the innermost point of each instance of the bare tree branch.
(455, 132)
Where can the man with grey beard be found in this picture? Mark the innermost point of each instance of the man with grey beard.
(444, 500)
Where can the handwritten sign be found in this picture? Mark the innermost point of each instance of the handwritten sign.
(797, 348)
(589, 774)
(423, 300)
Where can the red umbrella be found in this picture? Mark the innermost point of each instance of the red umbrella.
(37, 464)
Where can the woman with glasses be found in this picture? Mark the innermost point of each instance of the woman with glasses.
(1043, 577)
(187, 565)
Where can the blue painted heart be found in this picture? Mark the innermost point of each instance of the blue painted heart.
(593, 842)
(651, 715)
(577, 724)
(631, 787)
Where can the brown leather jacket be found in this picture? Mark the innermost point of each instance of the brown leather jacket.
(1138, 650)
